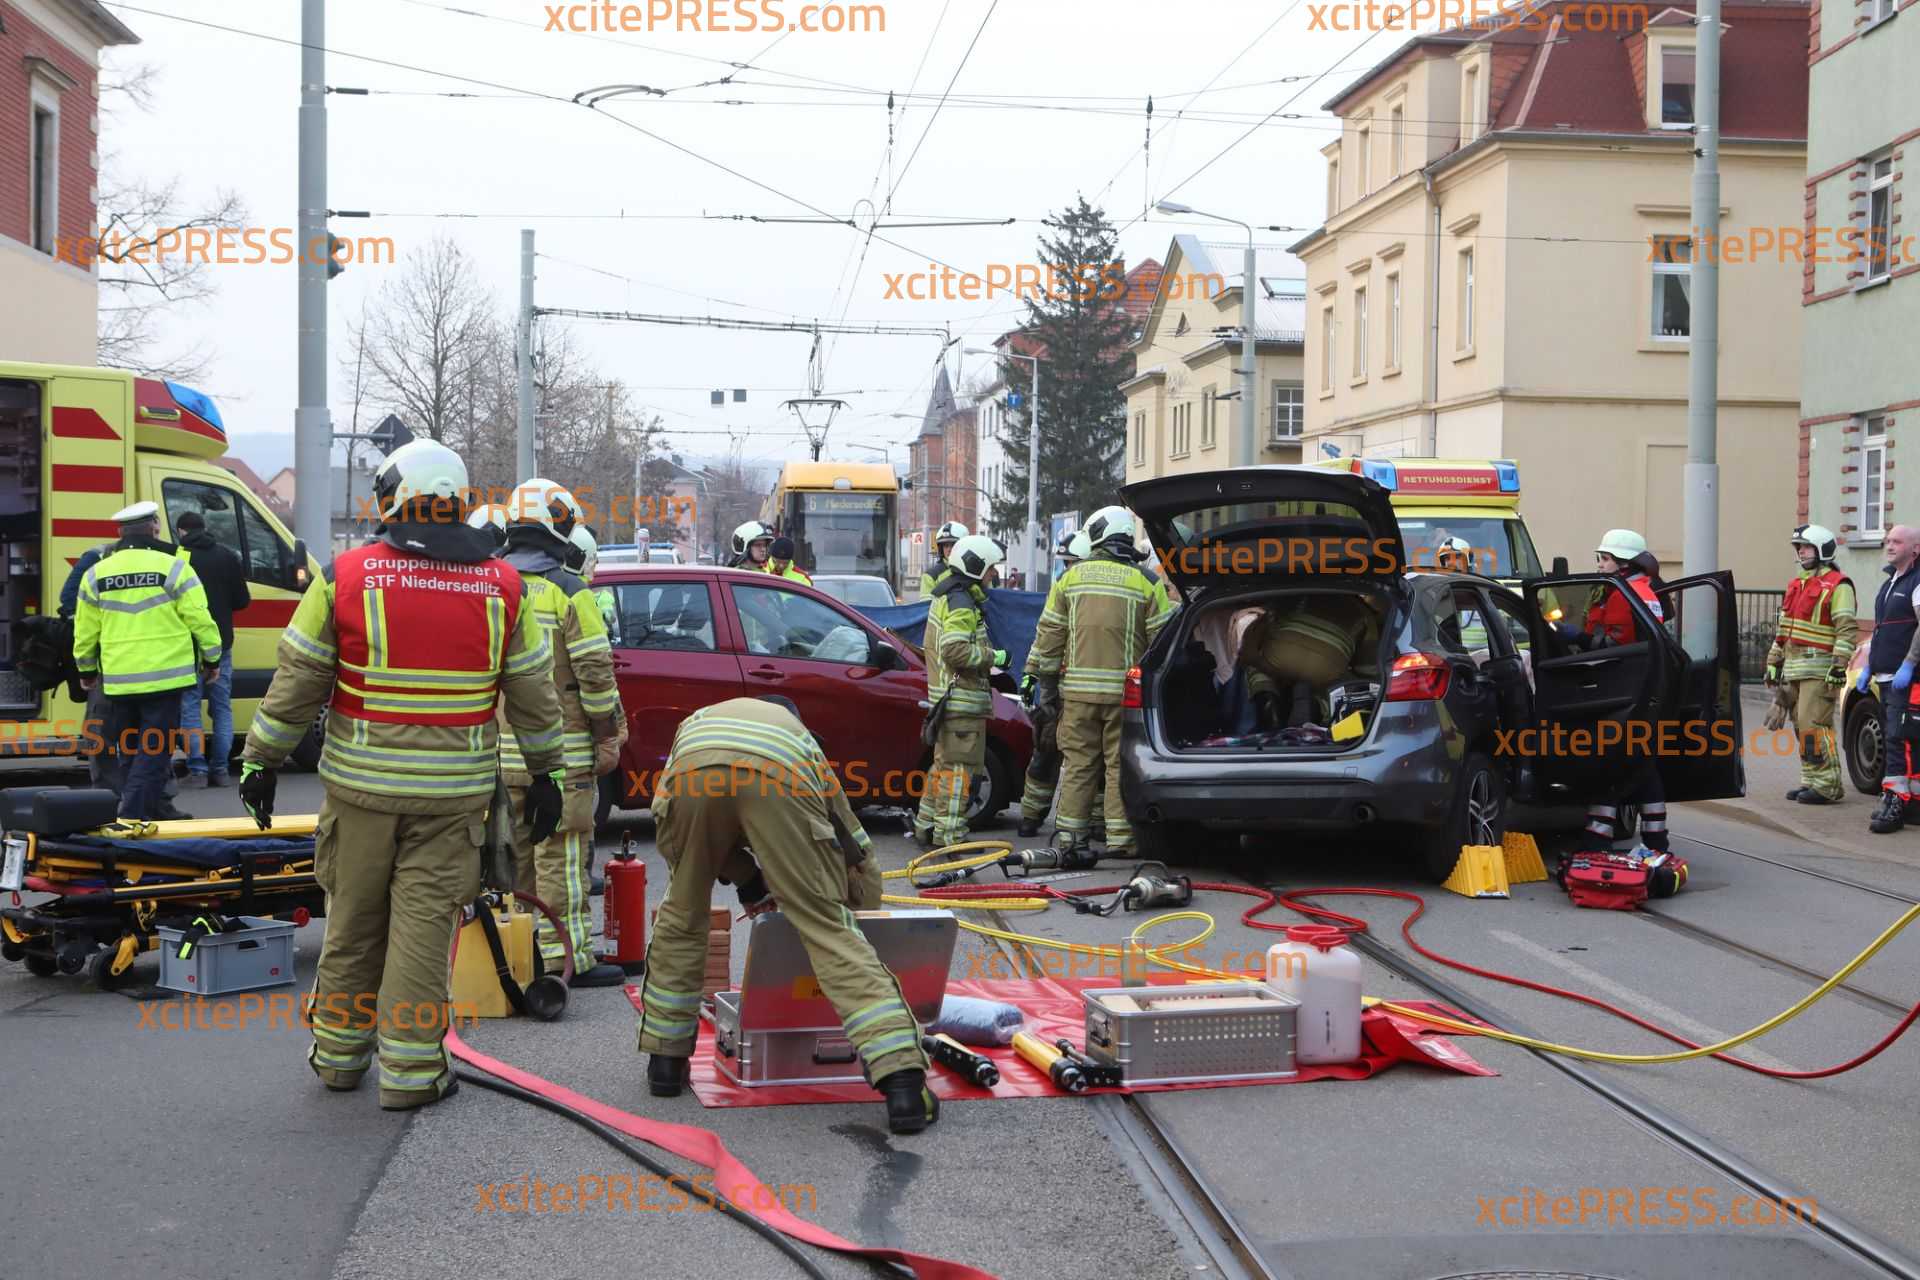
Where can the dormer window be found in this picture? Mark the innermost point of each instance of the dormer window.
(1676, 88)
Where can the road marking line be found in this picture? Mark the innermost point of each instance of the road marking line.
(1653, 1010)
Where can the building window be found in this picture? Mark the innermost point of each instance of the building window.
(1333, 186)
(1676, 88)
(1465, 291)
(1881, 10)
(1182, 425)
(1140, 438)
(1672, 288)
(1873, 490)
(1365, 159)
(1879, 218)
(44, 171)
(1470, 105)
(1397, 139)
(1393, 321)
(1359, 334)
(1209, 406)
(1289, 410)
(1326, 351)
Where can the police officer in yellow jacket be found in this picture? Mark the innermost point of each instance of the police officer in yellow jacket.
(541, 518)
(1099, 619)
(746, 797)
(960, 662)
(408, 641)
(140, 630)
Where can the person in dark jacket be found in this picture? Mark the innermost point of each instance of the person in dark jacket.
(225, 580)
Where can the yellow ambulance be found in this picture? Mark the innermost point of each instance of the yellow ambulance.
(78, 444)
(1436, 499)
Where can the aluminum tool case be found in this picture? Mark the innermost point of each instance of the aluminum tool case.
(1193, 1032)
(779, 1029)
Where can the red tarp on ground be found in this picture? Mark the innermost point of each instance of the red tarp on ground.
(1054, 1008)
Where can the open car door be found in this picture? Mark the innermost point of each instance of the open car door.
(1594, 707)
(1708, 761)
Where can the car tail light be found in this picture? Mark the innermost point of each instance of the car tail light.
(1130, 693)
(1417, 677)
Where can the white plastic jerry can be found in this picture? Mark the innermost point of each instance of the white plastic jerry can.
(1317, 968)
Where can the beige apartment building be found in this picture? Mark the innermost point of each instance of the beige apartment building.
(1505, 271)
(1188, 351)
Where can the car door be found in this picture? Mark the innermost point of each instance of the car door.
(1708, 762)
(820, 653)
(1459, 615)
(671, 657)
(1593, 708)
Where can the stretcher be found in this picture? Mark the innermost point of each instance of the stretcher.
(96, 899)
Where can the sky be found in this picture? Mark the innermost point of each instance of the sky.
(643, 204)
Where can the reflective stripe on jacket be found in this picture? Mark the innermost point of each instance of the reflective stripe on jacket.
(409, 655)
(965, 651)
(570, 619)
(1099, 619)
(141, 623)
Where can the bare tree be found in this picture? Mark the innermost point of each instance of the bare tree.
(146, 269)
(431, 327)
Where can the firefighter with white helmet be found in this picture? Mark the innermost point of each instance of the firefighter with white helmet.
(960, 659)
(1043, 708)
(541, 518)
(751, 543)
(1099, 618)
(1812, 646)
(490, 518)
(408, 642)
(943, 540)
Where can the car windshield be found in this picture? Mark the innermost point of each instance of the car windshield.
(1501, 548)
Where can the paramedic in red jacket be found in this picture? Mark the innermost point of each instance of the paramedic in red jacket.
(1611, 621)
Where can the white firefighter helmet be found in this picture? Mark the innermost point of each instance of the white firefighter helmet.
(1110, 525)
(420, 469)
(1622, 544)
(951, 531)
(490, 518)
(1453, 551)
(547, 505)
(586, 555)
(1078, 546)
(748, 534)
(974, 554)
(1820, 538)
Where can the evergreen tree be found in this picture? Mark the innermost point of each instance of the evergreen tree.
(1078, 327)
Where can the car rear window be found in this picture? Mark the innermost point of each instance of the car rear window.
(1290, 536)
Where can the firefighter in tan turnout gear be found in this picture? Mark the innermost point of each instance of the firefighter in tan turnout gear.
(408, 642)
(1099, 619)
(541, 518)
(746, 797)
(1808, 661)
(960, 661)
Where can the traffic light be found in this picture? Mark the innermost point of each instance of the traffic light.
(333, 256)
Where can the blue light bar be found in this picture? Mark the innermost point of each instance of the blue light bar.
(1509, 474)
(1381, 471)
(196, 403)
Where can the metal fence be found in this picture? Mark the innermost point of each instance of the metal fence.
(1759, 612)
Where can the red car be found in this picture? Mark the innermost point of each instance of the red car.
(688, 636)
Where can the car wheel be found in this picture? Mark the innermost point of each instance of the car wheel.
(1178, 844)
(306, 756)
(992, 788)
(1865, 752)
(1478, 816)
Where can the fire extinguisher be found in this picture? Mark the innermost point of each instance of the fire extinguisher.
(625, 908)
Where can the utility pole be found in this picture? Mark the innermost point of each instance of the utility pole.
(1249, 376)
(1702, 547)
(312, 423)
(524, 462)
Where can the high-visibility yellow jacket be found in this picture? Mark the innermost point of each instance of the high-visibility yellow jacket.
(411, 654)
(792, 571)
(959, 647)
(576, 632)
(931, 577)
(1099, 618)
(142, 624)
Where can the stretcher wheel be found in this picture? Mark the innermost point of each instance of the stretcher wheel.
(41, 966)
(100, 971)
(72, 957)
(12, 951)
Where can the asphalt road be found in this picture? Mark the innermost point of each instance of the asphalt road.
(216, 1150)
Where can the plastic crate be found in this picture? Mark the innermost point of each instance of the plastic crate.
(259, 955)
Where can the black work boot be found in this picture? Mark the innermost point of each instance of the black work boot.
(1810, 796)
(1030, 827)
(599, 975)
(911, 1106)
(1891, 815)
(1796, 793)
(666, 1076)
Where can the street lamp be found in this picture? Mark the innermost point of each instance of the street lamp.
(1031, 570)
(1244, 454)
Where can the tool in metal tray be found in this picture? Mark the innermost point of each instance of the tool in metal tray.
(1196, 1032)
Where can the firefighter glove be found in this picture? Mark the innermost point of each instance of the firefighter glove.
(1836, 675)
(257, 785)
(542, 808)
(1904, 676)
(752, 890)
(1773, 674)
(1000, 658)
(1027, 684)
